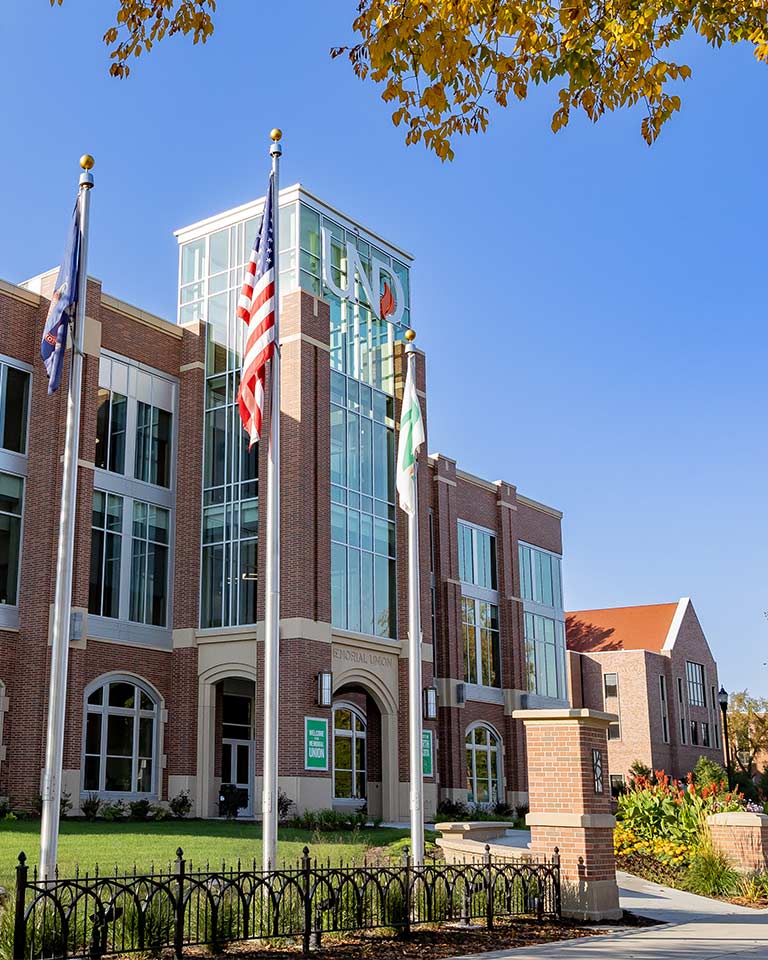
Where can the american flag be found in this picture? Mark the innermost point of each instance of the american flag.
(256, 308)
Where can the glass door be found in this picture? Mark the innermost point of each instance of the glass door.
(237, 747)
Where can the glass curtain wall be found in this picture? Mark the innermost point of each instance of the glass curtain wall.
(211, 275)
(362, 418)
(363, 548)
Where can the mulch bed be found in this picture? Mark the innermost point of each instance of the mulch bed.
(431, 943)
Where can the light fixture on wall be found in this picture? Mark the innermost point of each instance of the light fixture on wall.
(324, 688)
(430, 703)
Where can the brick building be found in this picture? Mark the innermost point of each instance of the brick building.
(164, 689)
(652, 667)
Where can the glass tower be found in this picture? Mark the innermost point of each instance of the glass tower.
(324, 253)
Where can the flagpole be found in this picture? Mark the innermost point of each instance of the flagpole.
(57, 694)
(414, 653)
(272, 593)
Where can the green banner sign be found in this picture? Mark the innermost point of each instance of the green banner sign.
(427, 756)
(315, 743)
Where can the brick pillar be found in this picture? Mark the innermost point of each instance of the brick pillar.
(571, 806)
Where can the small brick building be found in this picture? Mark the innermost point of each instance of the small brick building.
(164, 688)
(652, 667)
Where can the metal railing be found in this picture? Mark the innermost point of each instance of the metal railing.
(102, 915)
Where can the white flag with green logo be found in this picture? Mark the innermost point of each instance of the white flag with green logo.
(411, 438)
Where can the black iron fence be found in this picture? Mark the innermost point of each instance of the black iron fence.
(98, 915)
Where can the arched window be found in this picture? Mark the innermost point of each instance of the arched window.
(120, 737)
(349, 753)
(483, 764)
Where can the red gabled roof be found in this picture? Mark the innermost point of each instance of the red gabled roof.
(619, 628)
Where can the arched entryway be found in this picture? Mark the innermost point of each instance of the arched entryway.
(364, 754)
(226, 737)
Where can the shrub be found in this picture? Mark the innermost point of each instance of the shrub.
(711, 874)
(232, 800)
(284, 804)
(329, 821)
(90, 806)
(448, 810)
(112, 812)
(5, 809)
(181, 805)
(158, 812)
(65, 804)
(639, 771)
(708, 773)
(139, 809)
(754, 887)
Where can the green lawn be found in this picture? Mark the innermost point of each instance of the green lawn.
(142, 844)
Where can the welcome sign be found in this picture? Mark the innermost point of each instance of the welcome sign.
(315, 743)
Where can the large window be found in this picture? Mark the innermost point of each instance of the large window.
(349, 753)
(697, 696)
(132, 586)
(120, 738)
(363, 541)
(11, 502)
(480, 630)
(106, 551)
(14, 408)
(483, 765)
(540, 579)
(611, 703)
(681, 710)
(153, 445)
(477, 556)
(545, 653)
(149, 564)
(111, 415)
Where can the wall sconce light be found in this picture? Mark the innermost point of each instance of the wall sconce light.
(324, 688)
(430, 703)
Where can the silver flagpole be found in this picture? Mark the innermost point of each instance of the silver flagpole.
(57, 694)
(272, 614)
(414, 658)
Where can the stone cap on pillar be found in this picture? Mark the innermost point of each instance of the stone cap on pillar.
(582, 716)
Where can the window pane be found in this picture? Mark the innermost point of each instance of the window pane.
(343, 781)
(119, 736)
(10, 547)
(93, 733)
(117, 433)
(343, 748)
(11, 492)
(122, 695)
(91, 778)
(15, 410)
(118, 774)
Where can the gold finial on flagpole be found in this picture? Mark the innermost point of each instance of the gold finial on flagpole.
(87, 161)
(410, 335)
(276, 134)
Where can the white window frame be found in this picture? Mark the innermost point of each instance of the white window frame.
(533, 646)
(158, 715)
(354, 736)
(6, 362)
(475, 529)
(477, 680)
(473, 748)
(122, 627)
(9, 612)
(534, 549)
(696, 677)
(614, 727)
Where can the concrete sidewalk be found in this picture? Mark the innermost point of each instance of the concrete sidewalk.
(695, 928)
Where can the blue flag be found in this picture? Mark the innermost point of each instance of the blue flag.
(62, 310)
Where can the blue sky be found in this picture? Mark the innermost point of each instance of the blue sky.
(593, 310)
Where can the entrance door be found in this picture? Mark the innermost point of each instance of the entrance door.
(237, 747)
(237, 768)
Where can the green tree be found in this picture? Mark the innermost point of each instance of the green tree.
(748, 731)
(444, 64)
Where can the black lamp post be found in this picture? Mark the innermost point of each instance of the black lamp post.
(722, 698)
